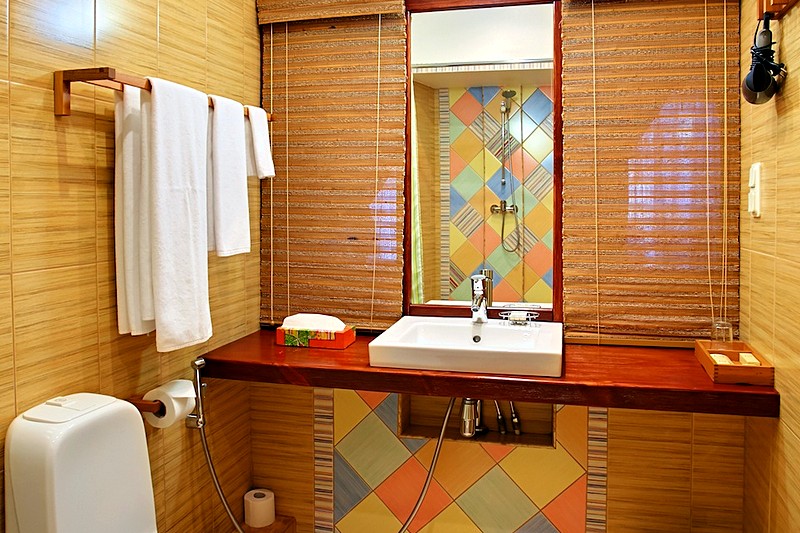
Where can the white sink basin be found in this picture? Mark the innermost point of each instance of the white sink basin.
(456, 344)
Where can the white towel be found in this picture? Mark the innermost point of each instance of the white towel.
(228, 211)
(127, 204)
(262, 165)
(178, 235)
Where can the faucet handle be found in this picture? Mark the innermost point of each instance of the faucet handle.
(478, 283)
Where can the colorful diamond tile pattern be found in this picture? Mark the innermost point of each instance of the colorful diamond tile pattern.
(477, 487)
(478, 180)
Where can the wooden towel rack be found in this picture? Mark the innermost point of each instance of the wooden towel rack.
(101, 76)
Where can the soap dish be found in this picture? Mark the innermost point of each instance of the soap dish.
(736, 372)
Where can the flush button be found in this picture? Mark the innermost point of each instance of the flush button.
(59, 401)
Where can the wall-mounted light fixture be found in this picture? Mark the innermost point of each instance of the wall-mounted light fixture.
(765, 76)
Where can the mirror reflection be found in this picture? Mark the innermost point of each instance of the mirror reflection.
(482, 154)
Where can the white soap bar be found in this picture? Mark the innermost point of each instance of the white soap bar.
(747, 358)
(518, 316)
(721, 359)
(313, 322)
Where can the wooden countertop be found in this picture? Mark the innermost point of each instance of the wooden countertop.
(668, 379)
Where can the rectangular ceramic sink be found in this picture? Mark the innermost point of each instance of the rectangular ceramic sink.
(458, 345)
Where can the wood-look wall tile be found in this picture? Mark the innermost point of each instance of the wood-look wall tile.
(717, 473)
(226, 280)
(787, 231)
(55, 333)
(251, 40)
(7, 395)
(291, 449)
(784, 516)
(182, 45)
(49, 148)
(253, 259)
(4, 40)
(649, 471)
(52, 226)
(759, 443)
(787, 341)
(228, 416)
(5, 185)
(226, 55)
(188, 488)
(49, 35)
(127, 35)
(129, 365)
(762, 304)
(104, 135)
(762, 126)
(745, 282)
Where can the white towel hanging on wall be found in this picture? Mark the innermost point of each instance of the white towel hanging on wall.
(259, 149)
(228, 210)
(178, 137)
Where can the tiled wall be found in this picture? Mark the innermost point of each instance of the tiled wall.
(770, 283)
(58, 320)
(476, 487)
(522, 260)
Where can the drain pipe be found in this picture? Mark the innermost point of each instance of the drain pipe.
(198, 421)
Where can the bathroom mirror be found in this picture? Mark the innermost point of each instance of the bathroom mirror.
(483, 171)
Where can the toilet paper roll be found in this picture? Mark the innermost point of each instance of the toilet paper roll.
(178, 398)
(259, 508)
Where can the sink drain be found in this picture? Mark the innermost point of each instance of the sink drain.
(476, 338)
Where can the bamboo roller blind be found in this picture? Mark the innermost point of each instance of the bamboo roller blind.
(333, 215)
(271, 11)
(651, 167)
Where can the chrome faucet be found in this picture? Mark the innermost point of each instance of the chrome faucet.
(479, 299)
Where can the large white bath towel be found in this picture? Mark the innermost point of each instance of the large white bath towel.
(262, 164)
(178, 136)
(228, 212)
(127, 212)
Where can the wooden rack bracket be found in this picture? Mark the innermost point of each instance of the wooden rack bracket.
(100, 76)
(776, 8)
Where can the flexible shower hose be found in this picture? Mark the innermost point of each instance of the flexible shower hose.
(201, 425)
(434, 460)
(199, 363)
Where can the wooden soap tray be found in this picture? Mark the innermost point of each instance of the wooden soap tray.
(737, 372)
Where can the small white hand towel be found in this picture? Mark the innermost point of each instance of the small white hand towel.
(178, 142)
(228, 211)
(127, 203)
(261, 150)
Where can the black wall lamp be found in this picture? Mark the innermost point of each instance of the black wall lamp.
(765, 76)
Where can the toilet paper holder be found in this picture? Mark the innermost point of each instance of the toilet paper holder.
(148, 406)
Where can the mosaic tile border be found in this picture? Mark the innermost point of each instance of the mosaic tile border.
(323, 461)
(444, 193)
(597, 471)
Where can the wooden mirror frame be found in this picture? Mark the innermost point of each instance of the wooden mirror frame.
(420, 6)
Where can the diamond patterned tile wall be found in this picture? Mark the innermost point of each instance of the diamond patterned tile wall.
(477, 487)
(479, 180)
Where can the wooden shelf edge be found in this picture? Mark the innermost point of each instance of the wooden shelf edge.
(597, 376)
